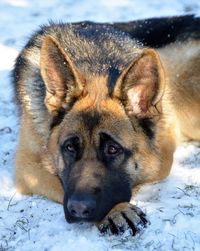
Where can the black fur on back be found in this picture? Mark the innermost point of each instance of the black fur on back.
(158, 32)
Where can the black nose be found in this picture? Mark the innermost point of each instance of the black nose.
(81, 209)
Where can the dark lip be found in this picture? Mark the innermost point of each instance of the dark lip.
(71, 219)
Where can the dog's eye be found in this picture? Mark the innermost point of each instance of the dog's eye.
(112, 150)
(109, 149)
(70, 148)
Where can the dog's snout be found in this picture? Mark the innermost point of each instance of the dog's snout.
(81, 209)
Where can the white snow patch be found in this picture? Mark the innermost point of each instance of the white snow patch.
(7, 55)
(17, 3)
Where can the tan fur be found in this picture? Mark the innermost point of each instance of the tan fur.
(181, 102)
(33, 174)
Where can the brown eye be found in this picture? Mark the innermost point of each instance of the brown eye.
(70, 148)
(112, 150)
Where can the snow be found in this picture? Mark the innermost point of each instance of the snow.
(35, 223)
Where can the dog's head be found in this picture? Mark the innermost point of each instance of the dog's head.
(100, 141)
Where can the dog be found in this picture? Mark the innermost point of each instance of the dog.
(103, 108)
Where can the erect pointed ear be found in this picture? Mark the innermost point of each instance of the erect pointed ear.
(141, 85)
(62, 80)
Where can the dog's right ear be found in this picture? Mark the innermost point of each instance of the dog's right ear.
(63, 81)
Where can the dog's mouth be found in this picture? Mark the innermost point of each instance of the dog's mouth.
(72, 219)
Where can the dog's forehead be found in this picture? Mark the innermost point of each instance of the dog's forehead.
(119, 128)
(91, 120)
(90, 123)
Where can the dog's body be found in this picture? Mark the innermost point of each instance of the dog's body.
(102, 114)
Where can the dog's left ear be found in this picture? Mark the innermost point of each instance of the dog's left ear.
(141, 85)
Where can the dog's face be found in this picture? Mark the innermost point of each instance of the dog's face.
(100, 148)
(94, 159)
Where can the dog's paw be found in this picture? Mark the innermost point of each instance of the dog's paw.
(122, 217)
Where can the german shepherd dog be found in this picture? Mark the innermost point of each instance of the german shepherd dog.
(103, 108)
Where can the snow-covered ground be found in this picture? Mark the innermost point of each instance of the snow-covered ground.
(34, 223)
